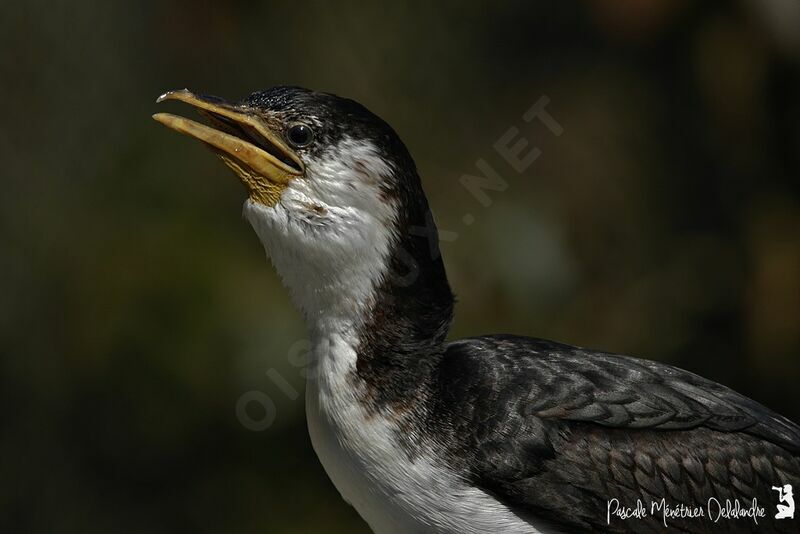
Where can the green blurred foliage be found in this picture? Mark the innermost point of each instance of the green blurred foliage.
(137, 306)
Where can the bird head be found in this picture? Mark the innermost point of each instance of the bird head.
(332, 191)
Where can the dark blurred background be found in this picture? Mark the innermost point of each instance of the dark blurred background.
(138, 307)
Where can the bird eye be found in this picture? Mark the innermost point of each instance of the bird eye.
(299, 135)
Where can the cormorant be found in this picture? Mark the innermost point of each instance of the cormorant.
(497, 433)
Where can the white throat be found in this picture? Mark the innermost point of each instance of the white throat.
(330, 235)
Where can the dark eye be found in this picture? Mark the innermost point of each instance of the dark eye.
(299, 135)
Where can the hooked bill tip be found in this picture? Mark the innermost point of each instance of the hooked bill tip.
(169, 94)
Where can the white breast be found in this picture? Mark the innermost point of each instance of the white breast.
(361, 455)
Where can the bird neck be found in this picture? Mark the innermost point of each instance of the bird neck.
(398, 307)
(403, 335)
(380, 303)
(394, 319)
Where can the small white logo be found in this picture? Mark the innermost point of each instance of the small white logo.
(785, 496)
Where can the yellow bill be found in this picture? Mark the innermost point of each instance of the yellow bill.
(246, 140)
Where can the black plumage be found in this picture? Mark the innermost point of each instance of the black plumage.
(556, 432)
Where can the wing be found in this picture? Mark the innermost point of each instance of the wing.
(560, 432)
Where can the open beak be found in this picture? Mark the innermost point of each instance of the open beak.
(247, 141)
